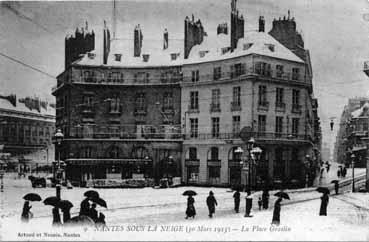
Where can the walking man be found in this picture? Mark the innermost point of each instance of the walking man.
(211, 202)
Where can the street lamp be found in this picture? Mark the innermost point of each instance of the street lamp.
(256, 152)
(353, 175)
(239, 152)
(58, 137)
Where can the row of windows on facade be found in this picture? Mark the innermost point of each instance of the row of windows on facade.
(236, 121)
(114, 152)
(236, 98)
(238, 69)
(115, 106)
(139, 77)
(11, 130)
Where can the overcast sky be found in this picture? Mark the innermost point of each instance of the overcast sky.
(335, 32)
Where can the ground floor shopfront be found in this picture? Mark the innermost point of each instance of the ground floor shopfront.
(217, 163)
(121, 160)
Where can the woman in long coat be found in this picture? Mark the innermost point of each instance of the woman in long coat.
(211, 202)
(277, 211)
(236, 197)
(26, 211)
(56, 217)
(265, 199)
(190, 211)
(66, 214)
(323, 205)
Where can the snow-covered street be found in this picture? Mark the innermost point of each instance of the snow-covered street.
(133, 214)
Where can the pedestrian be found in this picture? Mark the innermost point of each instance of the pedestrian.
(324, 204)
(336, 186)
(66, 214)
(265, 198)
(248, 204)
(236, 197)
(328, 166)
(211, 202)
(93, 212)
(338, 173)
(85, 207)
(56, 217)
(260, 203)
(344, 172)
(101, 220)
(26, 212)
(277, 211)
(190, 211)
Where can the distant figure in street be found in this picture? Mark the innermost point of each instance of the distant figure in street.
(56, 217)
(323, 205)
(190, 211)
(248, 204)
(93, 212)
(211, 202)
(66, 214)
(336, 186)
(344, 172)
(260, 203)
(328, 166)
(265, 198)
(26, 212)
(339, 173)
(236, 197)
(101, 220)
(277, 211)
(85, 207)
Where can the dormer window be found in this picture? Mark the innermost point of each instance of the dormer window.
(203, 53)
(174, 56)
(145, 57)
(118, 57)
(247, 46)
(270, 47)
(91, 55)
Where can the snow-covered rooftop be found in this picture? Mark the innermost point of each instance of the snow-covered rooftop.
(21, 107)
(211, 49)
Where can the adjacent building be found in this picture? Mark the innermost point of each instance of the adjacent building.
(169, 108)
(26, 129)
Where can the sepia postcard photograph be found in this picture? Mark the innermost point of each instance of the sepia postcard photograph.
(184, 120)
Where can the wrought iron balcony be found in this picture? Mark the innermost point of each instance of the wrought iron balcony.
(193, 108)
(263, 105)
(214, 107)
(256, 135)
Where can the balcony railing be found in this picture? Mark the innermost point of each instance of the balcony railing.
(280, 107)
(258, 135)
(263, 105)
(236, 106)
(193, 109)
(126, 132)
(296, 108)
(289, 76)
(214, 107)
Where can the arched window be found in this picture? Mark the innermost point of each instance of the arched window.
(213, 154)
(140, 152)
(191, 153)
(232, 155)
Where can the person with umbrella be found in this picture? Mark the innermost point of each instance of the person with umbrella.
(336, 186)
(100, 220)
(236, 197)
(324, 200)
(26, 211)
(54, 201)
(277, 207)
(85, 207)
(248, 204)
(211, 202)
(65, 206)
(265, 198)
(93, 212)
(190, 211)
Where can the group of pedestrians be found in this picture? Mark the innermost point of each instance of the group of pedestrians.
(341, 171)
(89, 210)
(211, 203)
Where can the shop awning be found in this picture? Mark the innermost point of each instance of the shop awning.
(88, 162)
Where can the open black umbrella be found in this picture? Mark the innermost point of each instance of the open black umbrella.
(189, 193)
(65, 204)
(32, 197)
(53, 201)
(335, 181)
(91, 194)
(323, 190)
(100, 201)
(282, 195)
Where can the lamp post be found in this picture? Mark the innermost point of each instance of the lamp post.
(59, 136)
(239, 152)
(353, 174)
(257, 154)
